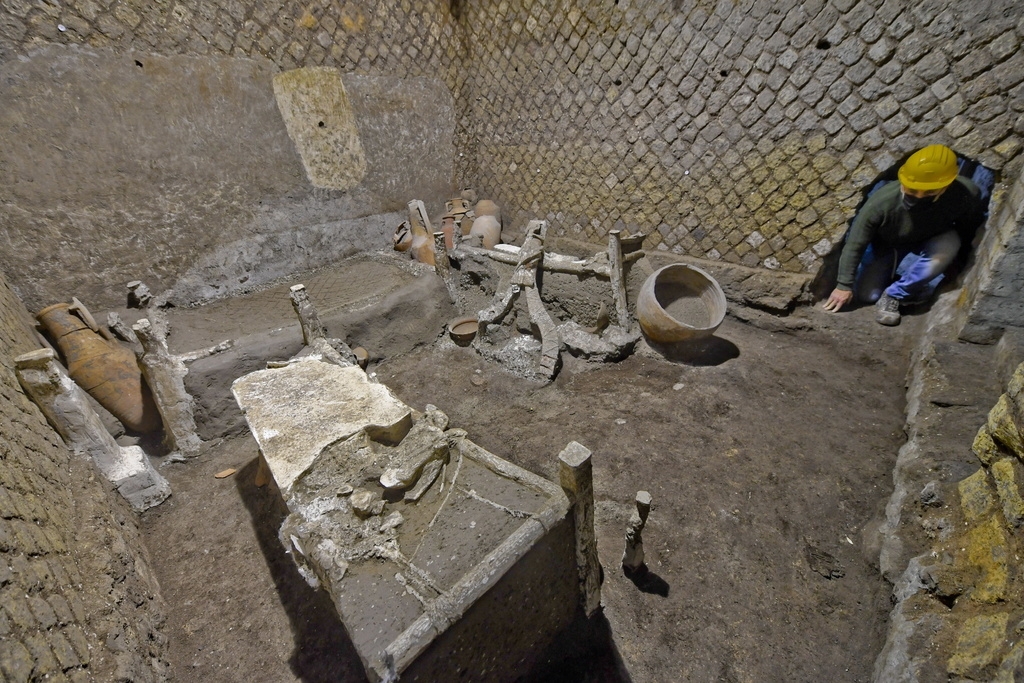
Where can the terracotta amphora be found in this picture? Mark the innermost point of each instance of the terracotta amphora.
(489, 230)
(457, 206)
(105, 369)
(448, 228)
(422, 245)
(422, 240)
(403, 237)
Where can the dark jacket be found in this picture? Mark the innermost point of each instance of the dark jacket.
(885, 222)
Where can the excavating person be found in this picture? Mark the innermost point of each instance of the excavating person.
(907, 234)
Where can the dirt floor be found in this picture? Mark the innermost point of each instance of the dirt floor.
(767, 458)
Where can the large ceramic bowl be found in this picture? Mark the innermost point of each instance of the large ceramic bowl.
(463, 329)
(678, 303)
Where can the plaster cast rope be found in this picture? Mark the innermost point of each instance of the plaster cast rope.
(458, 466)
(515, 513)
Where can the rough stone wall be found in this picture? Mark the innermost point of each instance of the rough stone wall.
(157, 151)
(77, 601)
(735, 130)
(958, 597)
(991, 301)
(739, 131)
(394, 37)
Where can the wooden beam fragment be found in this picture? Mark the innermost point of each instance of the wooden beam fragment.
(576, 475)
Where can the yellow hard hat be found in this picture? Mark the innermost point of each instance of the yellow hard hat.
(931, 168)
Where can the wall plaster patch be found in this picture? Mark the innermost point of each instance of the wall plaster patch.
(319, 118)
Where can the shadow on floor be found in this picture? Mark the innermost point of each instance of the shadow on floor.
(584, 653)
(648, 582)
(323, 651)
(708, 351)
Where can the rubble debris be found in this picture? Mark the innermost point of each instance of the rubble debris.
(224, 474)
(633, 553)
(67, 409)
(611, 345)
(822, 562)
(122, 331)
(364, 503)
(426, 479)
(422, 445)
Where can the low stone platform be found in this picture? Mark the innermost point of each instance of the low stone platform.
(952, 538)
(440, 557)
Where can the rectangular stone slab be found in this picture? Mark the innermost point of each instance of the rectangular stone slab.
(295, 411)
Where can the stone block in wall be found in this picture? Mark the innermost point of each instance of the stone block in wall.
(320, 121)
(979, 642)
(985, 447)
(1007, 474)
(989, 302)
(1003, 426)
(1009, 353)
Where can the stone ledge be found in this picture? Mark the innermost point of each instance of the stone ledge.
(950, 531)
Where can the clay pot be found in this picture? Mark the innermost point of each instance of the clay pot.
(422, 245)
(105, 369)
(680, 303)
(485, 207)
(489, 230)
(448, 228)
(466, 222)
(456, 206)
(468, 194)
(463, 329)
(403, 237)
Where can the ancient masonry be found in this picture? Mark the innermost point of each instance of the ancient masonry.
(739, 131)
(78, 601)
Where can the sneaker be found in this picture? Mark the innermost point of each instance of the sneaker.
(887, 310)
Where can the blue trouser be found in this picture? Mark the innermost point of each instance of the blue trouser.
(905, 273)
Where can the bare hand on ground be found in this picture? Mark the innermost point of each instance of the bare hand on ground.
(837, 299)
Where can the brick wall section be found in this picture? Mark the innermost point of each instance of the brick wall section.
(391, 37)
(77, 602)
(394, 36)
(736, 130)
